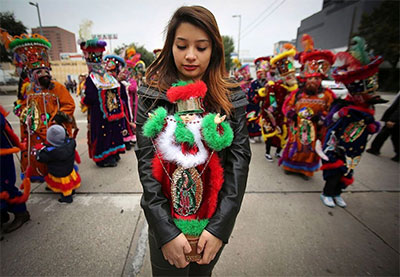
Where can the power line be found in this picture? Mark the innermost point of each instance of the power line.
(259, 17)
(280, 4)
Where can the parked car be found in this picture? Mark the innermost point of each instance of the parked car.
(338, 88)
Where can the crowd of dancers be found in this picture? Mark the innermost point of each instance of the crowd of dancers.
(48, 129)
(290, 111)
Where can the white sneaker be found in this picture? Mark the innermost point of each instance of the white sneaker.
(339, 201)
(269, 158)
(278, 155)
(252, 140)
(327, 201)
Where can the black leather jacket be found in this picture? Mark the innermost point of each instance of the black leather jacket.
(234, 159)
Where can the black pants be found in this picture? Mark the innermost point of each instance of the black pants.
(268, 145)
(161, 267)
(333, 187)
(383, 136)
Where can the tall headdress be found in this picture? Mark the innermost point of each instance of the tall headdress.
(315, 63)
(188, 96)
(116, 62)
(284, 61)
(359, 70)
(93, 51)
(262, 63)
(30, 52)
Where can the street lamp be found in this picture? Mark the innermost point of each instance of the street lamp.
(38, 12)
(240, 23)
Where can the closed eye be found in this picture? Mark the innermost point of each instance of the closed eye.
(181, 47)
(201, 49)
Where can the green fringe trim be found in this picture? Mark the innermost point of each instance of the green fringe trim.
(182, 83)
(155, 124)
(18, 42)
(91, 42)
(212, 137)
(191, 227)
(183, 134)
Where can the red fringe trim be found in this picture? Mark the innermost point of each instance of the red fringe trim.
(334, 165)
(197, 89)
(347, 181)
(212, 179)
(317, 55)
(344, 111)
(77, 157)
(359, 73)
(64, 187)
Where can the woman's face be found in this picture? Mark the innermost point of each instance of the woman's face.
(192, 51)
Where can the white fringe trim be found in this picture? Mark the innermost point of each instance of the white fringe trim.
(171, 151)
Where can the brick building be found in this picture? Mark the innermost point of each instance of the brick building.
(61, 41)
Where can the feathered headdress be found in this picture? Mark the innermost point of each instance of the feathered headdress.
(357, 66)
(29, 51)
(316, 63)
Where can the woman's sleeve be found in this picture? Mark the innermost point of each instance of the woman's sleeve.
(154, 203)
(236, 167)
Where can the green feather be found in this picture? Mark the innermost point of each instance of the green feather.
(155, 124)
(183, 134)
(18, 42)
(192, 227)
(358, 50)
(212, 137)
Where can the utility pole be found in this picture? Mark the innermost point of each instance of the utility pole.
(240, 24)
(38, 12)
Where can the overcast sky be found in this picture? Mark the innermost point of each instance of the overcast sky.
(263, 22)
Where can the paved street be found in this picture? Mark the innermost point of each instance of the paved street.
(282, 229)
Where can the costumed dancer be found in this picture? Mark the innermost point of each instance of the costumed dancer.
(59, 153)
(306, 108)
(11, 199)
(114, 65)
(80, 92)
(185, 162)
(45, 101)
(351, 121)
(128, 78)
(271, 97)
(253, 108)
(106, 111)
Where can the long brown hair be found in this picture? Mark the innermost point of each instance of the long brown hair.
(162, 73)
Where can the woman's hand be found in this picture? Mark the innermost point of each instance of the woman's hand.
(218, 118)
(209, 245)
(174, 251)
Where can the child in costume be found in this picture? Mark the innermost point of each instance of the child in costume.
(306, 108)
(11, 199)
(59, 155)
(272, 121)
(208, 174)
(351, 121)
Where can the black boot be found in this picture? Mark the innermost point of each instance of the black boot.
(66, 199)
(19, 220)
(5, 217)
(128, 146)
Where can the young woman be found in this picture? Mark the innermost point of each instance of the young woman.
(193, 51)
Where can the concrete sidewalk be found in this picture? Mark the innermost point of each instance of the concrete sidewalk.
(283, 228)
